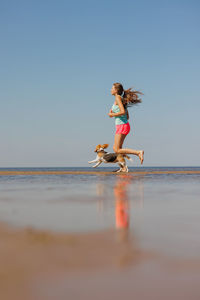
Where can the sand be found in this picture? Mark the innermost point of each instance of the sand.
(108, 264)
(8, 173)
(145, 244)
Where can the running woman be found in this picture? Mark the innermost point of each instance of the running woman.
(123, 99)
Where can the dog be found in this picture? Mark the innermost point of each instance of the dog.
(103, 156)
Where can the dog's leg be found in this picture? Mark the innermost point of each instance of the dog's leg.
(123, 167)
(93, 161)
(126, 167)
(99, 162)
(120, 167)
(128, 157)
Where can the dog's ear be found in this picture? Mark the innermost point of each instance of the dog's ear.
(105, 146)
(97, 148)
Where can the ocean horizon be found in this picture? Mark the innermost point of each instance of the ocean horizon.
(99, 169)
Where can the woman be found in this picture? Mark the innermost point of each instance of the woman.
(123, 99)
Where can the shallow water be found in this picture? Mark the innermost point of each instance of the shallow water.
(159, 209)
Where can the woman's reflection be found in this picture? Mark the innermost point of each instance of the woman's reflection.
(122, 201)
(122, 196)
(128, 192)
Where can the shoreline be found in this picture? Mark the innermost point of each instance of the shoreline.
(14, 173)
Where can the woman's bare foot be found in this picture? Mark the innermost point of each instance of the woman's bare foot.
(141, 156)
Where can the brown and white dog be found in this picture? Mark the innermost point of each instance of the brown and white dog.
(103, 156)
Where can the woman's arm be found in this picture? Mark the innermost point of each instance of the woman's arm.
(121, 107)
(127, 114)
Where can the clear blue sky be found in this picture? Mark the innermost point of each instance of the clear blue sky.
(59, 60)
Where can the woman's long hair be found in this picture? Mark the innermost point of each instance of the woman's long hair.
(129, 97)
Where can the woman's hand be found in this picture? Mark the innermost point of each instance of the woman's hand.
(111, 113)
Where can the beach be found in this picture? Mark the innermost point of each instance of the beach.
(102, 236)
(88, 89)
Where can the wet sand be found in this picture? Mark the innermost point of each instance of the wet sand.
(100, 237)
(101, 265)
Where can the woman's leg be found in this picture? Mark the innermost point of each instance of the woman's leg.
(119, 139)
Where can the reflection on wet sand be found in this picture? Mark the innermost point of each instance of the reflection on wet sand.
(122, 208)
(124, 197)
(122, 202)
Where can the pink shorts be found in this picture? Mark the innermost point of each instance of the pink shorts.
(123, 128)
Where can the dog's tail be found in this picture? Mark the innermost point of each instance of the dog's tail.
(128, 157)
